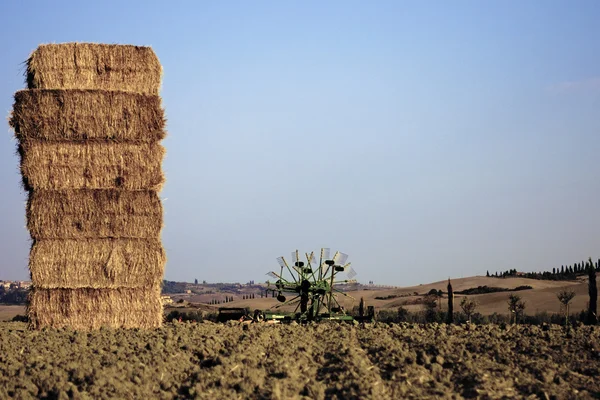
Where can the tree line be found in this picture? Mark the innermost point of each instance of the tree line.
(565, 272)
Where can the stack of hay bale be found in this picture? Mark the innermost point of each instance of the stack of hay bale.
(88, 130)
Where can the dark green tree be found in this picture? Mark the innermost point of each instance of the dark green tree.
(430, 302)
(195, 281)
(593, 292)
(361, 307)
(450, 317)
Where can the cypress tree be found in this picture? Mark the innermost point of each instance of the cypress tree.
(593, 292)
(553, 271)
(562, 270)
(450, 317)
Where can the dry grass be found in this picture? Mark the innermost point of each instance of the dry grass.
(86, 309)
(94, 66)
(96, 263)
(93, 214)
(88, 131)
(61, 115)
(91, 165)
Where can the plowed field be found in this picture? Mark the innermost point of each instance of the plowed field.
(378, 361)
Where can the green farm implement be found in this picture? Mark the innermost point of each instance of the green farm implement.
(310, 287)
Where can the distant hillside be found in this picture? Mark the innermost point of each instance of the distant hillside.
(491, 294)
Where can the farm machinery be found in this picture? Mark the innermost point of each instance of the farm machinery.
(310, 288)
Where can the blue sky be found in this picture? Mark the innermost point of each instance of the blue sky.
(425, 139)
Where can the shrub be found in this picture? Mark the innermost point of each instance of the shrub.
(20, 318)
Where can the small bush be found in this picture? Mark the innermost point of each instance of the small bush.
(20, 318)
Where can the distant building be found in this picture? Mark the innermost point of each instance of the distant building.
(15, 284)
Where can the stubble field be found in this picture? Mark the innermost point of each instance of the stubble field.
(375, 361)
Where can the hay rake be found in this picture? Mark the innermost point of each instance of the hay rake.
(311, 286)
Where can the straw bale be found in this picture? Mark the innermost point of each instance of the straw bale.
(94, 66)
(94, 214)
(96, 263)
(60, 115)
(91, 165)
(86, 309)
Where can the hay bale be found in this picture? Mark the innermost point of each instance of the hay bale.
(94, 214)
(94, 66)
(96, 263)
(86, 309)
(91, 165)
(61, 115)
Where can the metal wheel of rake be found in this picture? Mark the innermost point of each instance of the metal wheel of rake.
(312, 285)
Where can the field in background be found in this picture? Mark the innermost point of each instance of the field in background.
(541, 298)
(7, 312)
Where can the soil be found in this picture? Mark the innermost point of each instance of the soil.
(344, 361)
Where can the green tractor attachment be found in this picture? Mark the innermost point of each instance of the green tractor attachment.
(310, 287)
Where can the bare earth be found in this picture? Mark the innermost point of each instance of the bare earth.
(316, 361)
